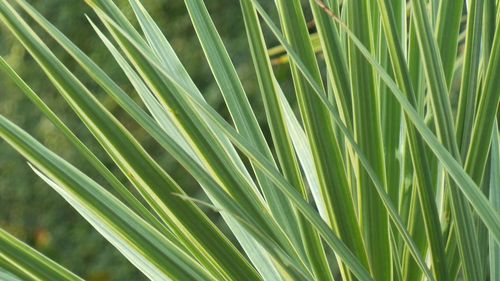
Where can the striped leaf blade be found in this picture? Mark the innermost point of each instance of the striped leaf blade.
(21, 262)
(157, 257)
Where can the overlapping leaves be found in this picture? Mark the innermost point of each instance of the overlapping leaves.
(332, 188)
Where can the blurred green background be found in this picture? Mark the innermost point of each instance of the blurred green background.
(29, 209)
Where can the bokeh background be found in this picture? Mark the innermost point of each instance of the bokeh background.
(29, 209)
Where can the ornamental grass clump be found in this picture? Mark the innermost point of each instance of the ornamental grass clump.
(382, 162)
